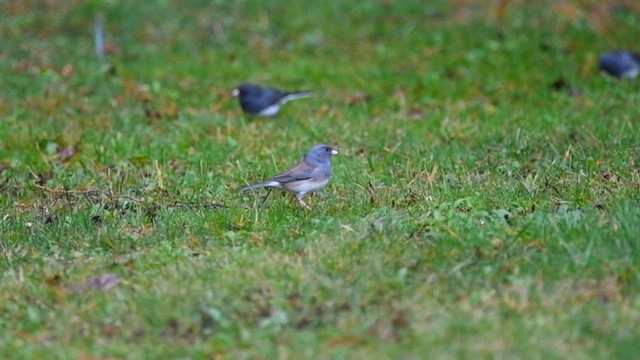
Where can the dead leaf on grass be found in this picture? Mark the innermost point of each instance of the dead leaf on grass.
(102, 283)
(358, 97)
(67, 71)
(66, 153)
(346, 340)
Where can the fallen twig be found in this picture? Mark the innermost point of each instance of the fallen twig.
(90, 195)
(88, 192)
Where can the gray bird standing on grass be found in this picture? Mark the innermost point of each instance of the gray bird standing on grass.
(311, 175)
(263, 101)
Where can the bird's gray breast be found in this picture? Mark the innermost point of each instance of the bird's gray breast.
(326, 169)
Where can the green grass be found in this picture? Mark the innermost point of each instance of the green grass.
(474, 211)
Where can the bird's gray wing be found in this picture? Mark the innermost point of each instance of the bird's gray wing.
(301, 171)
(297, 173)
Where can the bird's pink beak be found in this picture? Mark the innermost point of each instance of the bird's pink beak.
(235, 92)
(334, 152)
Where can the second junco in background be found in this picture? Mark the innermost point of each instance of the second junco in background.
(263, 101)
(312, 174)
(621, 64)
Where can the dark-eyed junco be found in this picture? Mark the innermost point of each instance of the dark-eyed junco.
(621, 64)
(263, 101)
(312, 174)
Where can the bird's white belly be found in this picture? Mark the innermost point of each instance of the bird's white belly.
(303, 187)
(631, 73)
(270, 110)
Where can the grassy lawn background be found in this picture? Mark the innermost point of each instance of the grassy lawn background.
(485, 202)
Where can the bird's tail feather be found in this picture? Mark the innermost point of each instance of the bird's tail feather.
(268, 183)
(297, 95)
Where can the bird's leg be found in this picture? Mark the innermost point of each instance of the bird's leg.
(302, 203)
(265, 198)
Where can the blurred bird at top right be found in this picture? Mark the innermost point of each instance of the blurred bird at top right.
(621, 64)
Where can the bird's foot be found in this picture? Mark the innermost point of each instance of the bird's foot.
(303, 204)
